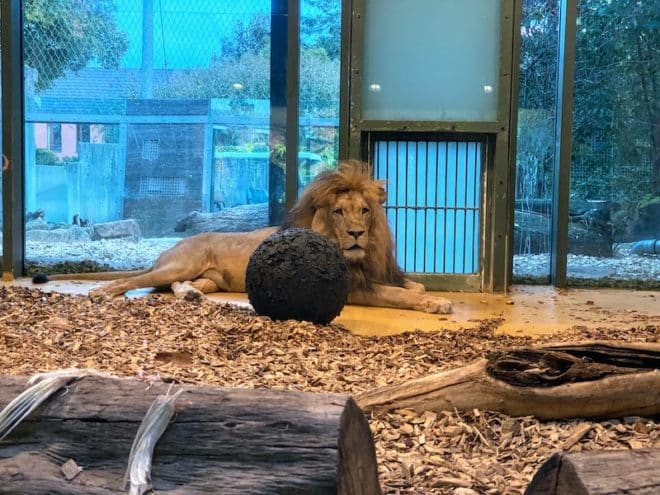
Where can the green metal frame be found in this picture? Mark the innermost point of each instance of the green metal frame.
(12, 138)
(563, 141)
(497, 204)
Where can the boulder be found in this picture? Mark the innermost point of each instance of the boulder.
(71, 234)
(121, 229)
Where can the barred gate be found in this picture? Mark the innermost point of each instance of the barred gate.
(433, 201)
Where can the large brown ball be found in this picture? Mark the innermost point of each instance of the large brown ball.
(297, 274)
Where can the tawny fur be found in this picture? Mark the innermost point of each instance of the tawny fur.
(344, 205)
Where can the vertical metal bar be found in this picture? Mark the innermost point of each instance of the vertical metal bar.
(478, 166)
(426, 202)
(292, 100)
(356, 9)
(13, 122)
(437, 208)
(513, 135)
(455, 201)
(284, 83)
(465, 204)
(563, 141)
(444, 226)
(406, 203)
(415, 209)
(345, 78)
(396, 190)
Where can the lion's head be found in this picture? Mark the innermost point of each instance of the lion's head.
(345, 205)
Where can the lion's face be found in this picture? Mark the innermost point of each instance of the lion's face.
(350, 219)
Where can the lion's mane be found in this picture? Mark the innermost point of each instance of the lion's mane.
(379, 264)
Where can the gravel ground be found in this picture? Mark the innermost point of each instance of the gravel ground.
(126, 255)
(432, 453)
(624, 265)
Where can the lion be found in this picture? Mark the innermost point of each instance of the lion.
(344, 205)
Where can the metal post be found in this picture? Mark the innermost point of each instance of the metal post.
(12, 139)
(284, 81)
(563, 141)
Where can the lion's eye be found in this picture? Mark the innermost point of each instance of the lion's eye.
(365, 211)
(339, 212)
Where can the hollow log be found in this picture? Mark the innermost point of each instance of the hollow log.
(591, 380)
(634, 472)
(222, 440)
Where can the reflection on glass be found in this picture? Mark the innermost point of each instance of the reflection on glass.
(138, 133)
(319, 88)
(615, 177)
(535, 144)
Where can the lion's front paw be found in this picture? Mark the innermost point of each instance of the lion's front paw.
(436, 305)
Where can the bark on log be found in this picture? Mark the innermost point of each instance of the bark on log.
(592, 380)
(230, 441)
(634, 472)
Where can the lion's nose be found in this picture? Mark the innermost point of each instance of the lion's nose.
(356, 233)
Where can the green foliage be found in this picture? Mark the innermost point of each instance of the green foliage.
(65, 35)
(47, 157)
(616, 143)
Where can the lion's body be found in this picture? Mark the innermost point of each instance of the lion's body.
(343, 205)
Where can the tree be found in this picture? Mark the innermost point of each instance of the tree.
(65, 35)
(616, 118)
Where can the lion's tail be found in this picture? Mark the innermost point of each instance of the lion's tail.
(41, 278)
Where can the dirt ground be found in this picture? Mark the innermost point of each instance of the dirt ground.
(216, 343)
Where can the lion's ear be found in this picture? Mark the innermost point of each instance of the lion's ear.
(320, 222)
(382, 193)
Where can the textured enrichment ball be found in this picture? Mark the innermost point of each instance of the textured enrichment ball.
(297, 274)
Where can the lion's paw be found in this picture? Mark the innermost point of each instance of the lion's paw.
(99, 295)
(436, 305)
(193, 295)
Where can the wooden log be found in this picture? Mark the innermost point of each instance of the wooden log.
(635, 472)
(592, 380)
(230, 441)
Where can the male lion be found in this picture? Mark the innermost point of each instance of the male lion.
(344, 205)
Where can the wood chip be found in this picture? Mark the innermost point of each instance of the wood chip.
(70, 469)
(157, 338)
(578, 433)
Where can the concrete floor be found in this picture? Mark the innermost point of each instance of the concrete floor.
(525, 310)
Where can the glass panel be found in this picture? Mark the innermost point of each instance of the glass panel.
(320, 32)
(433, 198)
(614, 232)
(431, 60)
(146, 121)
(535, 154)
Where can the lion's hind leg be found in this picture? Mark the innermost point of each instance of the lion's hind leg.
(160, 276)
(193, 290)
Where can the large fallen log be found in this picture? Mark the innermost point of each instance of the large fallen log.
(635, 472)
(592, 380)
(229, 441)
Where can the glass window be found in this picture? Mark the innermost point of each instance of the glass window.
(151, 118)
(319, 88)
(614, 228)
(536, 141)
(431, 60)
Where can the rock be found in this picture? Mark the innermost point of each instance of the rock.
(121, 229)
(36, 224)
(71, 234)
